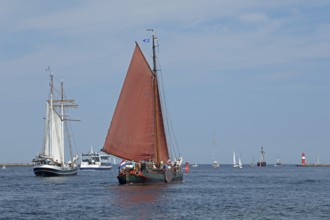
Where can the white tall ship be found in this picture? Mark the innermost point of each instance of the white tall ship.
(95, 161)
(51, 160)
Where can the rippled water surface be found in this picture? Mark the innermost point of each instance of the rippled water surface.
(286, 192)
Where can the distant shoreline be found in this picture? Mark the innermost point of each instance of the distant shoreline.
(313, 165)
(15, 164)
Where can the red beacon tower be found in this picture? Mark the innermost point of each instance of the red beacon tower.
(303, 159)
(187, 167)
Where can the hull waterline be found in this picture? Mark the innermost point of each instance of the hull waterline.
(261, 164)
(143, 177)
(48, 171)
(95, 168)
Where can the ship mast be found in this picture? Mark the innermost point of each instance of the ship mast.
(51, 116)
(153, 52)
(155, 85)
(262, 158)
(62, 121)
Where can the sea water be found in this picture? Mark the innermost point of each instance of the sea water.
(285, 192)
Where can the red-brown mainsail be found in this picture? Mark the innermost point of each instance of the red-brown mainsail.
(137, 130)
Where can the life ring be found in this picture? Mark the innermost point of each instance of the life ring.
(137, 172)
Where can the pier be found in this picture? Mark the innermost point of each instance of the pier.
(15, 164)
(313, 165)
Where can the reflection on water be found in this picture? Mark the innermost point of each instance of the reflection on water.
(140, 193)
(136, 201)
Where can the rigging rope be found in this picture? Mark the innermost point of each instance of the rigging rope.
(174, 147)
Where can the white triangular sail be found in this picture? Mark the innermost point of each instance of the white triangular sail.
(240, 163)
(46, 150)
(54, 137)
(57, 140)
(234, 160)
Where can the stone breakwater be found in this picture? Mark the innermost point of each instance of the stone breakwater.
(15, 164)
(313, 165)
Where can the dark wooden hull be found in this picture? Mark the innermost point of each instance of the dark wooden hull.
(49, 171)
(145, 177)
(261, 164)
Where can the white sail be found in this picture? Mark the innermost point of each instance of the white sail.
(46, 150)
(234, 159)
(278, 162)
(240, 163)
(56, 138)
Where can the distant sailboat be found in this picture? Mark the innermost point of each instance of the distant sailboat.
(194, 165)
(3, 167)
(137, 130)
(234, 160)
(240, 165)
(215, 163)
(51, 161)
(278, 162)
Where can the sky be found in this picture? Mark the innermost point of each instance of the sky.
(245, 74)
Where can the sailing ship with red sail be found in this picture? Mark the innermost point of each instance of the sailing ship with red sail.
(137, 131)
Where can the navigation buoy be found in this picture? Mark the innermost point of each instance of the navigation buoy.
(303, 159)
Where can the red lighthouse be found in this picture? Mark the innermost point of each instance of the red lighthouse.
(187, 167)
(303, 159)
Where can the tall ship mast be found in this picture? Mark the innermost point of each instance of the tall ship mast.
(262, 162)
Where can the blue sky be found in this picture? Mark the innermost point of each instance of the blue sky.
(245, 73)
